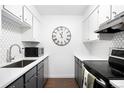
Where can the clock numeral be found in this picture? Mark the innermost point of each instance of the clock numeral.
(64, 41)
(68, 35)
(67, 39)
(58, 29)
(54, 39)
(61, 42)
(67, 32)
(54, 32)
(58, 42)
(61, 28)
(53, 35)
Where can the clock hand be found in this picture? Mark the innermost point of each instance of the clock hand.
(61, 35)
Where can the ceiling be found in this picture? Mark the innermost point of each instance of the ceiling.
(61, 9)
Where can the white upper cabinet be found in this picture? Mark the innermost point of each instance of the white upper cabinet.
(16, 10)
(104, 13)
(36, 28)
(93, 25)
(117, 9)
(19, 14)
(32, 35)
(27, 16)
(0, 21)
(90, 25)
(86, 30)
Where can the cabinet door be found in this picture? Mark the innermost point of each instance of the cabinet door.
(31, 83)
(86, 30)
(93, 25)
(76, 69)
(80, 77)
(16, 10)
(75, 66)
(117, 9)
(40, 77)
(45, 69)
(30, 73)
(0, 21)
(36, 28)
(104, 13)
(19, 83)
(27, 16)
(77, 73)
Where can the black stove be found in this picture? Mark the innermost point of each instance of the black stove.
(111, 69)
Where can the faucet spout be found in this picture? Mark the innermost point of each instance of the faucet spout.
(17, 46)
(9, 55)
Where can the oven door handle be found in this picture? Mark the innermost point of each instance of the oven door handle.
(101, 81)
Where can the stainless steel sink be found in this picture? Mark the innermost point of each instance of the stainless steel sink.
(19, 64)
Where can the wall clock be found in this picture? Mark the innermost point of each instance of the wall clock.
(61, 36)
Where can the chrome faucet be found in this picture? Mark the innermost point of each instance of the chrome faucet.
(9, 52)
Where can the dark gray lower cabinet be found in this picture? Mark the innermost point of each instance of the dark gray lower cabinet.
(19, 83)
(78, 72)
(43, 72)
(40, 75)
(46, 70)
(31, 83)
(80, 76)
(34, 78)
(76, 69)
(31, 78)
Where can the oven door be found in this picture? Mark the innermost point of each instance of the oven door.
(90, 81)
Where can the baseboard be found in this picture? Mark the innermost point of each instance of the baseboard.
(61, 76)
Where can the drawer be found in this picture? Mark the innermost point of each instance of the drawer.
(30, 74)
(41, 64)
(19, 83)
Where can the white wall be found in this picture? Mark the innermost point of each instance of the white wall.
(0, 20)
(61, 62)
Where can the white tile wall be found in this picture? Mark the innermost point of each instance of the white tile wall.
(102, 49)
(11, 34)
(118, 40)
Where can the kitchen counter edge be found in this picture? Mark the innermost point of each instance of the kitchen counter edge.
(19, 71)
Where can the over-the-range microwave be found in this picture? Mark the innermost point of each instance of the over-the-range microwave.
(33, 51)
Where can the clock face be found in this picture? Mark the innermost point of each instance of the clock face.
(61, 36)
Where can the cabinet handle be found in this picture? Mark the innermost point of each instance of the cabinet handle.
(20, 16)
(13, 86)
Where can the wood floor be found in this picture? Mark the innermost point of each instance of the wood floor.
(61, 83)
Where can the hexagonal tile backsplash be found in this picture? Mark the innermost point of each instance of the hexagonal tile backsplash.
(11, 34)
(118, 40)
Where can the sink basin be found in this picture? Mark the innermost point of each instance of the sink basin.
(19, 64)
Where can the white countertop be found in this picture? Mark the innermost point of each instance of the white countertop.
(117, 83)
(8, 75)
(82, 58)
